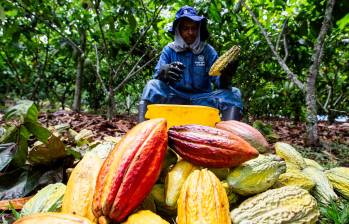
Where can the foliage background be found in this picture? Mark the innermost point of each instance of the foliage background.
(46, 46)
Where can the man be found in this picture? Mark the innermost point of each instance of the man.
(181, 74)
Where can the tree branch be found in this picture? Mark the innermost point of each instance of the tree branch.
(12, 66)
(97, 71)
(328, 97)
(134, 73)
(337, 100)
(101, 29)
(318, 47)
(71, 42)
(285, 48)
(280, 35)
(156, 14)
(145, 11)
(293, 77)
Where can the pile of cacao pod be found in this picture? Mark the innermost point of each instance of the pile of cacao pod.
(191, 174)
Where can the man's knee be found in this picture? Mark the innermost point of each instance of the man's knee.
(156, 84)
(236, 92)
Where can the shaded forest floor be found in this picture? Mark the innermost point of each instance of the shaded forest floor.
(334, 137)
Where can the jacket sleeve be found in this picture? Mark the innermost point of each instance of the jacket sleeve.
(164, 59)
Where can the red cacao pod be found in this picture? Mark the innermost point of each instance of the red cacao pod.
(130, 170)
(247, 132)
(210, 147)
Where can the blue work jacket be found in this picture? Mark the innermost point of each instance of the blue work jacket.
(195, 78)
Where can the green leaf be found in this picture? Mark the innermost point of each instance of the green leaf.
(40, 132)
(123, 36)
(9, 135)
(22, 181)
(214, 12)
(20, 137)
(342, 23)
(18, 183)
(11, 13)
(42, 153)
(7, 152)
(2, 132)
(74, 153)
(16, 214)
(25, 110)
(132, 21)
(22, 142)
(2, 14)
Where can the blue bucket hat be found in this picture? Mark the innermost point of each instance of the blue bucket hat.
(190, 13)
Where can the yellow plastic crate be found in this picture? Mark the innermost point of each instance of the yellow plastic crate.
(184, 114)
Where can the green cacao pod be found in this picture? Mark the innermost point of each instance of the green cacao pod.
(48, 199)
(158, 193)
(323, 190)
(203, 200)
(313, 163)
(288, 204)
(256, 175)
(130, 170)
(233, 198)
(52, 218)
(339, 178)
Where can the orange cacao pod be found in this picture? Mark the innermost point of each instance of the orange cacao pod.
(52, 218)
(130, 170)
(247, 132)
(210, 147)
(203, 200)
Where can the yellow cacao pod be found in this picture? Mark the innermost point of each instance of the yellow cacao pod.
(229, 56)
(146, 217)
(295, 178)
(203, 200)
(175, 179)
(256, 175)
(339, 178)
(288, 204)
(52, 218)
(292, 157)
(80, 187)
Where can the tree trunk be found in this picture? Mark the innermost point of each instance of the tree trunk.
(78, 81)
(310, 94)
(111, 104)
(79, 73)
(312, 132)
(312, 138)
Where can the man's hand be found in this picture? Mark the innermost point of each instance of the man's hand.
(227, 74)
(172, 72)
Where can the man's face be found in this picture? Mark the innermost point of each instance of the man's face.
(188, 30)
